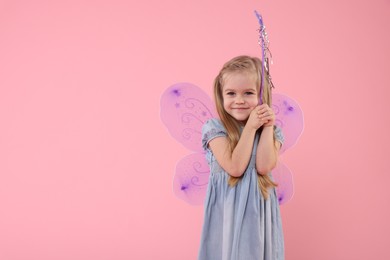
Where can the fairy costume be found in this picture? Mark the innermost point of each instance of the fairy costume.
(239, 224)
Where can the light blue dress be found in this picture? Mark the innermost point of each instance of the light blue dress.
(238, 223)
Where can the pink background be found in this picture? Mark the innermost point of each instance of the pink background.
(86, 165)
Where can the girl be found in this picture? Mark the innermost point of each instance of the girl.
(242, 219)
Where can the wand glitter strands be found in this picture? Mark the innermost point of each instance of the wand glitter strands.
(265, 54)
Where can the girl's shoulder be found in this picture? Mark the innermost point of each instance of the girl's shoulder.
(211, 129)
(213, 123)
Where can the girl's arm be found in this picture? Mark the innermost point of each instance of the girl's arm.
(267, 151)
(234, 163)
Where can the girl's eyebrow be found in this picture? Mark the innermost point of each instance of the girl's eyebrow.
(248, 89)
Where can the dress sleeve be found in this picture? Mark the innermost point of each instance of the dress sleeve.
(279, 134)
(211, 129)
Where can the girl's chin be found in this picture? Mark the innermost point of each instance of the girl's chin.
(242, 121)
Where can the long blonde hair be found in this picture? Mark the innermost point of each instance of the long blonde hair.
(251, 66)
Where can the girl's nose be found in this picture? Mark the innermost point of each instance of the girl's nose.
(239, 100)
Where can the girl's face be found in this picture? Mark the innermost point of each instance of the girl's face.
(240, 95)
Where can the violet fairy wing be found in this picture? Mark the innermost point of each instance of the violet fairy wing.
(283, 177)
(184, 109)
(289, 117)
(191, 178)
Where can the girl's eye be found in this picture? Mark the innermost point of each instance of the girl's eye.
(249, 93)
(230, 93)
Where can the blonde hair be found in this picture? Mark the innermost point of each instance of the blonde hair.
(251, 66)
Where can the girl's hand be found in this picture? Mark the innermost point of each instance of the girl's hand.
(266, 114)
(254, 119)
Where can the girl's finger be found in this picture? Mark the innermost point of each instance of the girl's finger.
(262, 109)
(267, 113)
(269, 117)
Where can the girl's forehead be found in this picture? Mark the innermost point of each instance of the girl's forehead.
(239, 79)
